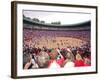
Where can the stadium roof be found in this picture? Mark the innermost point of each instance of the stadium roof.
(85, 25)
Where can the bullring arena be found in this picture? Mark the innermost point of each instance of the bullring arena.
(46, 36)
(53, 46)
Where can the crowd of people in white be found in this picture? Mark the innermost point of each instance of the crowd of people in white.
(35, 57)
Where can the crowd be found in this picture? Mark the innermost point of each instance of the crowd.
(55, 57)
(34, 58)
(31, 33)
(61, 39)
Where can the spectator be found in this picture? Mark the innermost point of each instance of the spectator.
(54, 62)
(42, 59)
(69, 60)
(79, 61)
(27, 61)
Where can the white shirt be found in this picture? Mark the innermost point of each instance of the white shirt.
(69, 64)
(54, 64)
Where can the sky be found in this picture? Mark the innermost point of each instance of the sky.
(64, 17)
